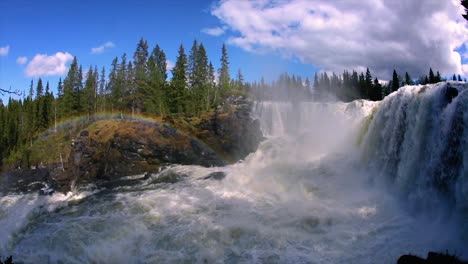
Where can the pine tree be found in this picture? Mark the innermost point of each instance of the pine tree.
(140, 59)
(46, 108)
(118, 80)
(377, 91)
(459, 78)
(112, 85)
(199, 81)
(89, 93)
(156, 92)
(191, 64)
(395, 81)
(212, 97)
(38, 118)
(224, 77)
(432, 78)
(438, 78)
(71, 90)
(177, 95)
(102, 91)
(408, 80)
(240, 80)
(368, 86)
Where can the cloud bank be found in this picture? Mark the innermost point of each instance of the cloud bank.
(408, 35)
(4, 50)
(44, 65)
(102, 48)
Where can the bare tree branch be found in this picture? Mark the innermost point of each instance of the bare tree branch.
(9, 91)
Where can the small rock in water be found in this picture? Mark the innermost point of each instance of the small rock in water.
(219, 175)
(46, 190)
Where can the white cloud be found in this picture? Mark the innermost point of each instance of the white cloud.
(216, 31)
(21, 60)
(43, 65)
(102, 48)
(169, 65)
(4, 51)
(354, 34)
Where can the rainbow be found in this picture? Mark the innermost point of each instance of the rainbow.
(65, 124)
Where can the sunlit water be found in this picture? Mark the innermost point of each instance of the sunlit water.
(320, 189)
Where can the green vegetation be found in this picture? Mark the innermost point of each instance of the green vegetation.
(141, 86)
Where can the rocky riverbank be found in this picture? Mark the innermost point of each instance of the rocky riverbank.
(108, 149)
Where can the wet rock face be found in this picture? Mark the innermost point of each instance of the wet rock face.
(37, 179)
(132, 148)
(237, 132)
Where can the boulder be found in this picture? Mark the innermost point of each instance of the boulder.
(117, 148)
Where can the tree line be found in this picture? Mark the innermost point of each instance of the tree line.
(346, 87)
(138, 86)
(141, 86)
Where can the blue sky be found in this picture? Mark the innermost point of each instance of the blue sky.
(263, 37)
(29, 28)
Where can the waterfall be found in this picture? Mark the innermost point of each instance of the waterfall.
(418, 141)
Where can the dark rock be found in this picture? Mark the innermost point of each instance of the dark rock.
(94, 159)
(8, 260)
(432, 258)
(169, 177)
(450, 93)
(219, 175)
(27, 180)
(232, 129)
(410, 259)
(84, 133)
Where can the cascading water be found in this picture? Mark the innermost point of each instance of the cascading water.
(418, 140)
(311, 193)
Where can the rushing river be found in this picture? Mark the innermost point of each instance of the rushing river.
(360, 182)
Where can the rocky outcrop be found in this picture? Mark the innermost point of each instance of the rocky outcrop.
(106, 150)
(117, 148)
(231, 129)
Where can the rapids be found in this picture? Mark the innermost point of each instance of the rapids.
(358, 182)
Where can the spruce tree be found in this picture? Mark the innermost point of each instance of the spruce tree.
(140, 59)
(395, 81)
(432, 78)
(224, 77)
(177, 95)
(240, 80)
(368, 85)
(199, 81)
(408, 80)
(156, 92)
(212, 97)
(191, 64)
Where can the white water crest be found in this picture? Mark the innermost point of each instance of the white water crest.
(326, 186)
